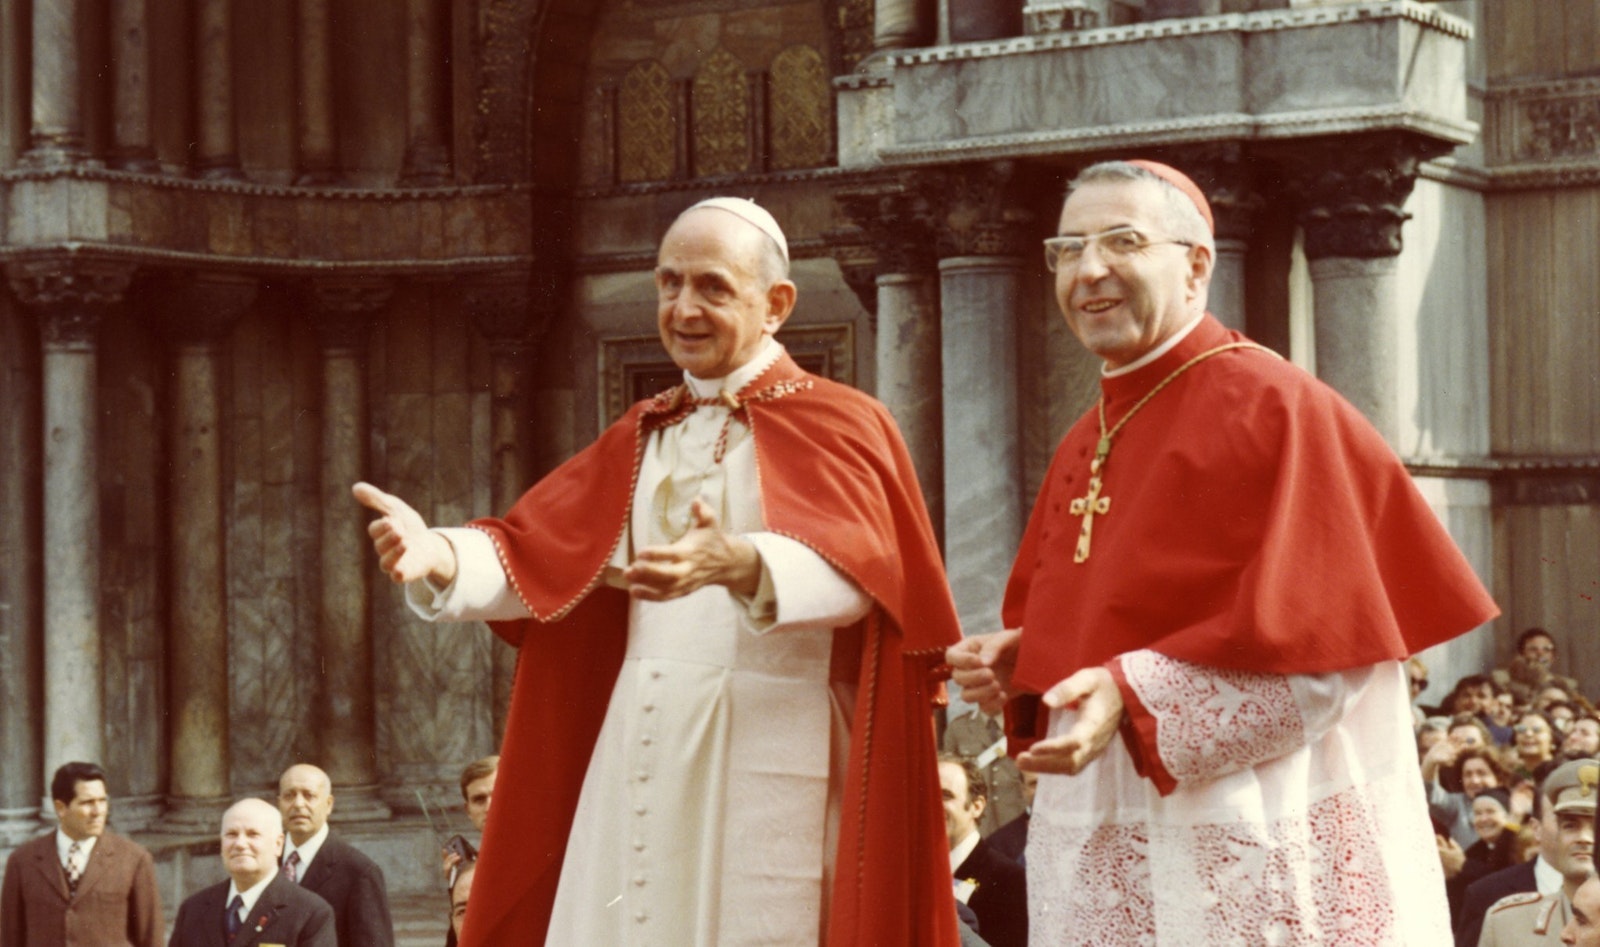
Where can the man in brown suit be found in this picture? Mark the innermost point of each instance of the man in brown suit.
(80, 885)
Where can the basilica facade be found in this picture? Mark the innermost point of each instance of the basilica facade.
(255, 252)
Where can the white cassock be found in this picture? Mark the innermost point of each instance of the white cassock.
(1299, 818)
(709, 812)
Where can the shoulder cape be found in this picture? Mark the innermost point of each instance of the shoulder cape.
(1257, 522)
(835, 476)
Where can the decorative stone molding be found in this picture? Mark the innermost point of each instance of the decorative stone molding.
(69, 295)
(1352, 192)
(1543, 134)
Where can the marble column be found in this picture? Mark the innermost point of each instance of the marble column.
(902, 24)
(427, 159)
(70, 297)
(501, 306)
(204, 310)
(316, 147)
(56, 135)
(216, 146)
(132, 147)
(980, 269)
(344, 310)
(1352, 198)
(900, 233)
(21, 639)
(1221, 172)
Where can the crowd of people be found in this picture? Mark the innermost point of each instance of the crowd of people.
(1494, 751)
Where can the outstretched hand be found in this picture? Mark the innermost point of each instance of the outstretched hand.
(981, 666)
(704, 556)
(407, 549)
(1093, 693)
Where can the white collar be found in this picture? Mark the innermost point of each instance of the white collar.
(962, 849)
(63, 843)
(308, 851)
(250, 894)
(1106, 371)
(768, 353)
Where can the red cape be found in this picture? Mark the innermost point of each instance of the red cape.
(835, 476)
(1257, 523)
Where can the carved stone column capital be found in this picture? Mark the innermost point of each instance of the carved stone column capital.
(206, 306)
(1352, 191)
(69, 295)
(897, 220)
(344, 307)
(1228, 181)
(503, 307)
(978, 210)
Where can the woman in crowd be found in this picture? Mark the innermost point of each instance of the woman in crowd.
(1532, 746)
(1456, 776)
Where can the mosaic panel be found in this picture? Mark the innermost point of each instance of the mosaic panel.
(721, 125)
(801, 126)
(646, 123)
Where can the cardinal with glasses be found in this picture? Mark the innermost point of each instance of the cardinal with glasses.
(1206, 621)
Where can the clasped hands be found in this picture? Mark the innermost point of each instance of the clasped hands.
(982, 666)
(705, 555)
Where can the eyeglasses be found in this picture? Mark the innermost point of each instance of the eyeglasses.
(1529, 728)
(1118, 243)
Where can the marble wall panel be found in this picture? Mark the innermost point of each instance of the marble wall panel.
(86, 209)
(1464, 508)
(1443, 382)
(1113, 85)
(1542, 361)
(1319, 67)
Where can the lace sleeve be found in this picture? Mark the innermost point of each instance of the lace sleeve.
(1186, 721)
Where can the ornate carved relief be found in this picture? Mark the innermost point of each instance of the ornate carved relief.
(1563, 128)
(721, 124)
(69, 295)
(646, 124)
(1544, 133)
(801, 113)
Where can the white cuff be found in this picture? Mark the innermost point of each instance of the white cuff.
(799, 587)
(480, 591)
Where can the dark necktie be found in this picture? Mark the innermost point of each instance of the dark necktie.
(291, 867)
(233, 915)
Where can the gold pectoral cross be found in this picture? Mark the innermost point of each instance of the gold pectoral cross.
(1091, 504)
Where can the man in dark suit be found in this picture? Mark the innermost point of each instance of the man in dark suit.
(326, 864)
(1011, 839)
(992, 885)
(80, 884)
(256, 905)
